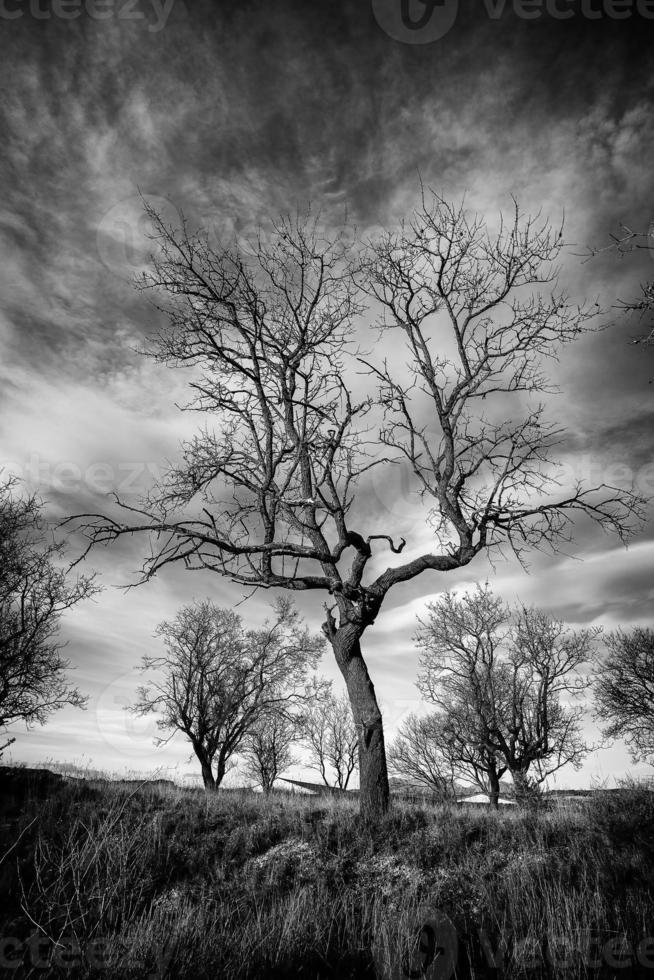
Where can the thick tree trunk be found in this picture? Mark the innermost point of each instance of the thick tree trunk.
(493, 790)
(374, 795)
(207, 775)
(526, 793)
(205, 765)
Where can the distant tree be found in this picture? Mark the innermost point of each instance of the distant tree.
(274, 493)
(217, 681)
(417, 753)
(470, 758)
(624, 690)
(441, 750)
(505, 677)
(329, 732)
(35, 590)
(268, 750)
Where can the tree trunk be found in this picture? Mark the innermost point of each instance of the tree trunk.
(526, 792)
(374, 795)
(207, 775)
(221, 768)
(205, 765)
(493, 790)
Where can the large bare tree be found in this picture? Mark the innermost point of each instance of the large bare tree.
(35, 590)
(512, 678)
(266, 494)
(217, 681)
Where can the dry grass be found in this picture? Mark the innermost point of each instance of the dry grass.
(128, 882)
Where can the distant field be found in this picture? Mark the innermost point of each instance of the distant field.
(103, 879)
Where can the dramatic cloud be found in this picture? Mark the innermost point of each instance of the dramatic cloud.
(227, 114)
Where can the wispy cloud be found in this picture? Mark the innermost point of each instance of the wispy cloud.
(230, 113)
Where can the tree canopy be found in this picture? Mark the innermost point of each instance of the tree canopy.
(35, 590)
(624, 690)
(510, 678)
(217, 682)
(271, 492)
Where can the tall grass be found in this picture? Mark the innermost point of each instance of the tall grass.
(102, 880)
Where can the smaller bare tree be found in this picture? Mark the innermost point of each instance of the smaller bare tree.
(216, 680)
(471, 759)
(416, 754)
(509, 678)
(624, 690)
(330, 734)
(268, 749)
(441, 751)
(35, 590)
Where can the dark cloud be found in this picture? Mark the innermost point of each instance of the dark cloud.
(233, 111)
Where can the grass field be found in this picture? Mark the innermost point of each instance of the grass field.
(100, 879)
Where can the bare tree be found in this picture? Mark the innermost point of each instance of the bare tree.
(624, 690)
(267, 498)
(330, 734)
(442, 751)
(217, 681)
(471, 760)
(268, 750)
(35, 590)
(507, 678)
(417, 753)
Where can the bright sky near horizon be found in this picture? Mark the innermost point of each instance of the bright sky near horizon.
(230, 112)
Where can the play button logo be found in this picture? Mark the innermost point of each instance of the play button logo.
(415, 21)
(428, 952)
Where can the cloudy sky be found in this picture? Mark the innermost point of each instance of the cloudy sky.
(231, 112)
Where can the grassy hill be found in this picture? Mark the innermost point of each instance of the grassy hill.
(103, 879)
